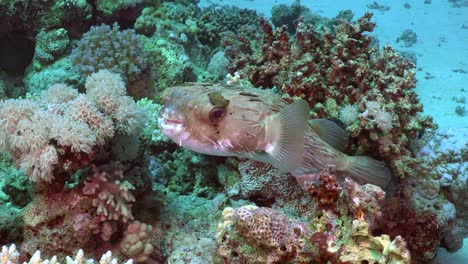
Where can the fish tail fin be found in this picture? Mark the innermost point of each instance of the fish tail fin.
(368, 170)
(286, 131)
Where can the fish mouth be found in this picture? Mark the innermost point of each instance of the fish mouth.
(169, 122)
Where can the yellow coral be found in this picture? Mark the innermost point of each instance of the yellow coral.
(370, 249)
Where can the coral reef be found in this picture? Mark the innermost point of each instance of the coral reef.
(445, 189)
(103, 47)
(286, 15)
(85, 171)
(33, 128)
(108, 7)
(60, 71)
(49, 46)
(135, 243)
(254, 234)
(215, 20)
(266, 186)
(338, 68)
(30, 17)
(377, 6)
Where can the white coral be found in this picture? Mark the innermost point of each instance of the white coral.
(79, 136)
(39, 164)
(106, 80)
(12, 111)
(59, 93)
(105, 88)
(9, 255)
(32, 134)
(85, 110)
(129, 117)
(349, 114)
(376, 113)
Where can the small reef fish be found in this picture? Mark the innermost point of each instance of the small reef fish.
(229, 120)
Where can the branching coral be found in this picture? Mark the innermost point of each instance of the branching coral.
(90, 216)
(9, 255)
(112, 198)
(109, 48)
(136, 242)
(215, 20)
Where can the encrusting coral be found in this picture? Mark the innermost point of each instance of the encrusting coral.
(339, 230)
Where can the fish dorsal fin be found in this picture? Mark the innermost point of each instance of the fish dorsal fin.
(285, 133)
(330, 132)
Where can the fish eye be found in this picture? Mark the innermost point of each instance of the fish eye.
(217, 114)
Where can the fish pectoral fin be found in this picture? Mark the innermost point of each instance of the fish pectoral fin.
(330, 132)
(285, 133)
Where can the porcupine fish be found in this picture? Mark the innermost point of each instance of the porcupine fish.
(223, 120)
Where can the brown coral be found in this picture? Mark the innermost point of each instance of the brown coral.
(325, 190)
(337, 68)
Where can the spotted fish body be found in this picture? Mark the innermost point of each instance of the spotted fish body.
(257, 124)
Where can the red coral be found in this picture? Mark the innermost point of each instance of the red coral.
(420, 230)
(324, 189)
(341, 67)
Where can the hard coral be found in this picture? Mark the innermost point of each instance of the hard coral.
(371, 249)
(136, 242)
(324, 189)
(9, 255)
(270, 236)
(49, 46)
(103, 47)
(216, 20)
(112, 196)
(267, 186)
(89, 216)
(32, 16)
(337, 68)
(252, 234)
(421, 230)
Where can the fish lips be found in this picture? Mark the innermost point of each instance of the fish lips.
(170, 121)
